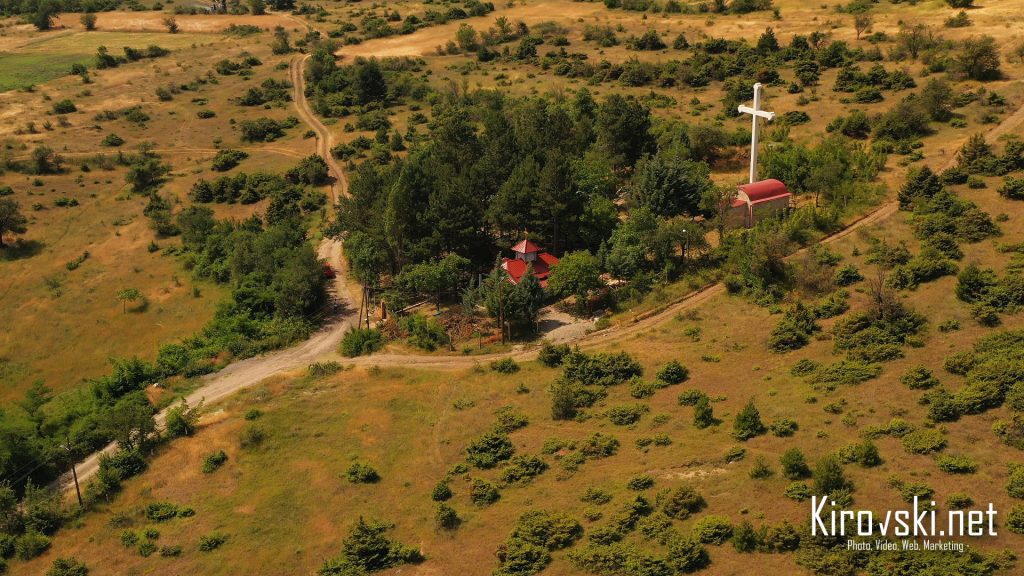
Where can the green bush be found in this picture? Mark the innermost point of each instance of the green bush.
(441, 492)
(805, 367)
(703, 414)
(483, 493)
(640, 482)
(360, 341)
(924, 441)
(960, 363)
(712, 530)
(360, 473)
(919, 378)
(794, 330)
(847, 275)
(252, 436)
(600, 446)
(626, 414)
(864, 453)
(1015, 519)
(829, 476)
(794, 465)
(956, 464)
(489, 449)
(640, 388)
(522, 469)
(798, 491)
(214, 461)
(212, 541)
(510, 419)
(747, 423)
(446, 517)
(67, 567)
(690, 397)
(761, 470)
(783, 427)
(682, 502)
(673, 373)
(959, 501)
(161, 511)
(844, 372)
(505, 366)
(601, 369)
(31, 544)
(552, 355)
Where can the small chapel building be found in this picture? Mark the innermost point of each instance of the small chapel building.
(759, 200)
(527, 253)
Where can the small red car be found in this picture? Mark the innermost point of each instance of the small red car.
(328, 271)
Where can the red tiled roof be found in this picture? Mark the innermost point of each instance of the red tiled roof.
(764, 190)
(526, 247)
(541, 268)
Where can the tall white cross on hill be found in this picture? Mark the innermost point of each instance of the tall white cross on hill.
(755, 112)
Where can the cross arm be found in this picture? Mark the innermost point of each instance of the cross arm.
(762, 113)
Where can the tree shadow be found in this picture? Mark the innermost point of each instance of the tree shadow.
(20, 249)
(140, 308)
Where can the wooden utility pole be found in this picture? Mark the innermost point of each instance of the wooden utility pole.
(74, 473)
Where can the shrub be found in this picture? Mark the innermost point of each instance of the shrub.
(441, 492)
(552, 355)
(959, 501)
(783, 427)
(682, 502)
(505, 366)
(640, 482)
(214, 461)
(366, 548)
(510, 419)
(804, 367)
(600, 446)
(31, 544)
(640, 388)
(761, 469)
(686, 555)
(703, 414)
(956, 464)
(227, 159)
(1015, 483)
(146, 549)
(924, 441)
(1015, 520)
(67, 567)
(829, 476)
(112, 140)
(844, 372)
(549, 530)
(748, 423)
(483, 493)
(735, 454)
(489, 449)
(673, 373)
(690, 397)
(360, 341)
(919, 378)
(960, 363)
(360, 473)
(211, 542)
(161, 511)
(64, 107)
(252, 436)
(794, 465)
(522, 469)
(446, 517)
(864, 453)
(798, 491)
(626, 414)
(847, 275)
(712, 529)
(602, 369)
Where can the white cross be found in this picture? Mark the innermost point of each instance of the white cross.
(755, 112)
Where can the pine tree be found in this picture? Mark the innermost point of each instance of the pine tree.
(703, 415)
(828, 476)
(748, 423)
(921, 184)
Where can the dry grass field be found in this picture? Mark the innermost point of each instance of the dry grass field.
(285, 504)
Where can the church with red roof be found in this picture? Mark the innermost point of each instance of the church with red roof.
(527, 253)
(759, 200)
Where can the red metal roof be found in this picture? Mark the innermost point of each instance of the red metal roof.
(764, 190)
(526, 247)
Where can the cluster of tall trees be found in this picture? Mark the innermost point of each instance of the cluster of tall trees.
(495, 168)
